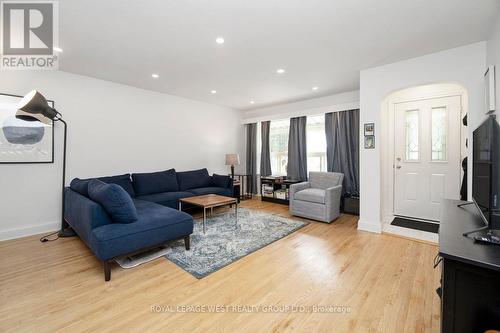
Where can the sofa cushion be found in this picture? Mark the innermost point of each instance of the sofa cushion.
(311, 195)
(211, 190)
(193, 179)
(81, 185)
(169, 199)
(115, 200)
(155, 182)
(221, 180)
(156, 225)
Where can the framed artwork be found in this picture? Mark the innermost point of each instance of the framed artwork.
(369, 129)
(489, 83)
(370, 142)
(23, 141)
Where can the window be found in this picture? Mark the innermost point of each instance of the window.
(278, 142)
(411, 135)
(316, 143)
(439, 130)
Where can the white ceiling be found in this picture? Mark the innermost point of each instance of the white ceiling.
(320, 43)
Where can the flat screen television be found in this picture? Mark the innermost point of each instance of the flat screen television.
(486, 171)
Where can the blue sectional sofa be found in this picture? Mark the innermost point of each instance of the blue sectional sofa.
(155, 198)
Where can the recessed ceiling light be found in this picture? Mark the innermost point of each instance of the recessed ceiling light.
(252, 102)
(213, 91)
(280, 71)
(57, 49)
(155, 76)
(219, 40)
(315, 88)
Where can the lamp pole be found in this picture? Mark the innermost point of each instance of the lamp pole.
(34, 107)
(66, 230)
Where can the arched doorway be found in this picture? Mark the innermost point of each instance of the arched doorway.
(423, 143)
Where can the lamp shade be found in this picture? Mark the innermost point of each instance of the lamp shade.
(232, 159)
(34, 107)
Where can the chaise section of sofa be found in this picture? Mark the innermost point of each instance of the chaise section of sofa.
(155, 226)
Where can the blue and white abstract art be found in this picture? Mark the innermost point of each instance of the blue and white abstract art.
(23, 141)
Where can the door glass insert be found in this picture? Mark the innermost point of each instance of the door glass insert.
(411, 135)
(439, 134)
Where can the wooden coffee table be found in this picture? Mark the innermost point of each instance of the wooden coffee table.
(209, 201)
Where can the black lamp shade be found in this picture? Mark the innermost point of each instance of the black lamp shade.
(34, 107)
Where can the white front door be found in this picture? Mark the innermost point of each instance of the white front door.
(427, 156)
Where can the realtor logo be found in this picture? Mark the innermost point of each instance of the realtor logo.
(29, 34)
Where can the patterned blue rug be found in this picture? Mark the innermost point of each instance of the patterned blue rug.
(225, 241)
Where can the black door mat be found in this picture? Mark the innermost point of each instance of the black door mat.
(417, 225)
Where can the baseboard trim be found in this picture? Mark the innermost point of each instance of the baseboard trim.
(374, 227)
(28, 231)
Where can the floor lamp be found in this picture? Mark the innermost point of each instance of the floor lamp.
(34, 107)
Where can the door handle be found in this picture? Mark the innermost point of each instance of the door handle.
(398, 166)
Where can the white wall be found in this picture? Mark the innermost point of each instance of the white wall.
(113, 129)
(463, 65)
(493, 56)
(337, 102)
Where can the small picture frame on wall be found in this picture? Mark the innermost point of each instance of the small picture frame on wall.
(369, 141)
(369, 129)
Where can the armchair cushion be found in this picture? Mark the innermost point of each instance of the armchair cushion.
(311, 195)
(115, 200)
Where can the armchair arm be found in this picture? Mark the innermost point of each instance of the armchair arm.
(332, 201)
(333, 191)
(294, 188)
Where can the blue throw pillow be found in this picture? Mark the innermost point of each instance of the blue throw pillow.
(81, 185)
(155, 182)
(221, 181)
(115, 200)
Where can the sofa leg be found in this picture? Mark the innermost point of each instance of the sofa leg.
(187, 241)
(107, 270)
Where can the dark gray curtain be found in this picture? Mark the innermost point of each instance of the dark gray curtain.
(251, 157)
(265, 155)
(297, 149)
(342, 147)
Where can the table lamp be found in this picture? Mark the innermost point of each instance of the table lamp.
(232, 160)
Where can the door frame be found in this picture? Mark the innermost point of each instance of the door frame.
(388, 136)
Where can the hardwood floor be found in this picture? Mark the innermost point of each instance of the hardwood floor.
(388, 283)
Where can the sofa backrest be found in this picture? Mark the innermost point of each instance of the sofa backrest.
(81, 185)
(193, 179)
(155, 182)
(324, 180)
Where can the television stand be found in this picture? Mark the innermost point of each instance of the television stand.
(470, 299)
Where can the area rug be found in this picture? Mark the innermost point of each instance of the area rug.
(223, 243)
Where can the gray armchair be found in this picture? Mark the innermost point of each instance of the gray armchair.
(319, 198)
